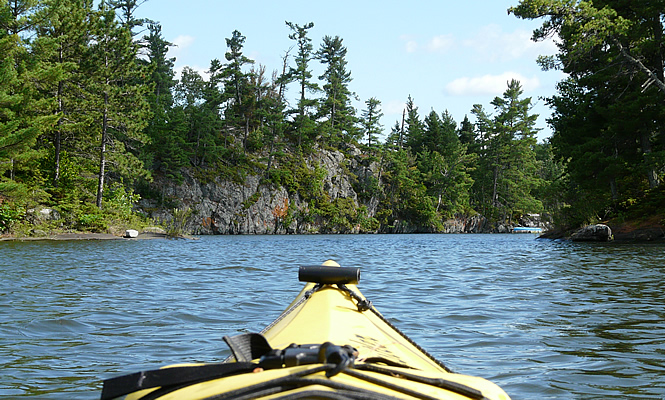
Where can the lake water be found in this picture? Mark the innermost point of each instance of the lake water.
(543, 319)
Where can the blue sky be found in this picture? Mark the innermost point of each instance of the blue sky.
(448, 55)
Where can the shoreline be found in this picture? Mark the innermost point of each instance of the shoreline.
(83, 236)
(636, 236)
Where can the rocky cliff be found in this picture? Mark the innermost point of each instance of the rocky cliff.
(258, 206)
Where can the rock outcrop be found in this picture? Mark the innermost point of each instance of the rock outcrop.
(592, 233)
(257, 207)
(467, 224)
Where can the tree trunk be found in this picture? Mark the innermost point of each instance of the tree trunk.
(495, 180)
(613, 189)
(401, 131)
(646, 151)
(58, 135)
(102, 152)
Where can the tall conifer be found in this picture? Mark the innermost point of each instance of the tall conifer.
(119, 111)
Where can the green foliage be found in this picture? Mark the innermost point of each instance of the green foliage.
(371, 122)
(177, 226)
(251, 200)
(506, 176)
(86, 120)
(608, 119)
(92, 220)
(121, 200)
(10, 214)
(406, 195)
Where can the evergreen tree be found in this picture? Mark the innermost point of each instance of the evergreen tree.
(236, 86)
(126, 10)
(23, 115)
(335, 107)
(466, 132)
(512, 146)
(483, 175)
(166, 130)
(413, 132)
(394, 138)
(303, 75)
(406, 196)
(443, 163)
(188, 96)
(371, 121)
(118, 110)
(439, 133)
(614, 54)
(62, 27)
(17, 17)
(272, 115)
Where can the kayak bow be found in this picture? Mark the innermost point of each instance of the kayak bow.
(330, 343)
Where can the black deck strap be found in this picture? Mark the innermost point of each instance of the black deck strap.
(389, 385)
(268, 387)
(451, 386)
(338, 394)
(126, 384)
(386, 361)
(362, 304)
(248, 346)
(300, 380)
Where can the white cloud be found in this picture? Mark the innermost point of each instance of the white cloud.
(436, 44)
(394, 107)
(183, 41)
(180, 46)
(440, 43)
(489, 84)
(411, 45)
(493, 44)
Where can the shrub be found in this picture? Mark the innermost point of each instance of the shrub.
(9, 215)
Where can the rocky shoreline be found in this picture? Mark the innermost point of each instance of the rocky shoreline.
(85, 236)
(593, 233)
(625, 232)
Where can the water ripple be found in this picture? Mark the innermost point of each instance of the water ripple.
(549, 320)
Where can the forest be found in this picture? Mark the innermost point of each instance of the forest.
(92, 114)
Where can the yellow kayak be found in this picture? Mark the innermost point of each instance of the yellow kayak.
(330, 343)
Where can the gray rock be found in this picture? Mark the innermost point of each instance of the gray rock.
(593, 233)
(38, 215)
(255, 206)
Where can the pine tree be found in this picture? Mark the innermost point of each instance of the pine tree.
(613, 53)
(236, 86)
(188, 96)
(302, 74)
(371, 121)
(413, 132)
(126, 10)
(465, 133)
(483, 175)
(166, 130)
(335, 107)
(23, 114)
(514, 159)
(119, 111)
(62, 27)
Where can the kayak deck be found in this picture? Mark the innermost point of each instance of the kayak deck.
(330, 343)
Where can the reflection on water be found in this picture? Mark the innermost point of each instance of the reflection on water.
(542, 319)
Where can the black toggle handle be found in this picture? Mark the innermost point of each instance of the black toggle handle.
(329, 275)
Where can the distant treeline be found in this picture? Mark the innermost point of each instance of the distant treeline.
(91, 112)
